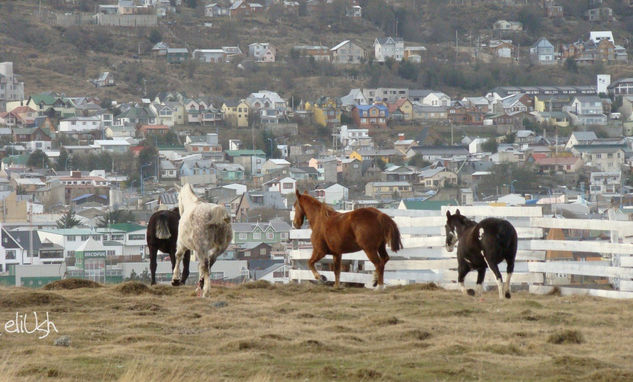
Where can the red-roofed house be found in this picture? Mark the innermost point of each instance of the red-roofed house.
(401, 109)
(146, 130)
(77, 185)
(557, 165)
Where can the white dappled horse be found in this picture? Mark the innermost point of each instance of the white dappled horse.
(205, 229)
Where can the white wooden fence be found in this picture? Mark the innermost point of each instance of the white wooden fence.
(424, 259)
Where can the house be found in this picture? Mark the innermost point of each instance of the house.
(253, 251)
(79, 124)
(11, 89)
(404, 107)
(351, 170)
(124, 131)
(542, 52)
(266, 99)
(11, 251)
(554, 11)
(168, 171)
(586, 110)
(177, 55)
(504, 25)
(204, 144)
(436, 178)
(271, 232)
(251, 160)
(215, 10)
(580, 138)
(414, 53)
(347, 52)
(605, 157)
(558, 165)
(430, 98)
(602, 14)
(105, 79)
(395, 173)
(317, 52)
(623, 86)
(501, 48)
(605, 183)
(388, 47)
(77, 184)
(597, 36)
(236, 113)
(209, 55)
(433, 153)
(385, 94)
(355, 11)
(160, 49)
(274, 165)
(146, 130)
(262, 52)
(424, 113)
(389, 190)
(232, 51)
(333, 194)
(241, 8)
(120, 146)
(326, 111)
(285, 186)
(353, 98)
(370, 116)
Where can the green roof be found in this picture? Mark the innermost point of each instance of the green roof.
(16, 159)
(432, 205)
(47, 98)
(127, 227)
(242, 153)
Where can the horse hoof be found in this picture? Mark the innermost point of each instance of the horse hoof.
(374, 284)
(471, 292)
(508, 295)
(175, 282)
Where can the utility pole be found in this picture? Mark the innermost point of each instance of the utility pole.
(456, 46)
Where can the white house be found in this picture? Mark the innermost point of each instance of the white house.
(437, 99)
(285, 185)
(209, 55)
(597, 36)
(80, 124)
(347, 52)
(11, 252)
(332, 194)
(388, 47)
(112, 145)
(262, 51)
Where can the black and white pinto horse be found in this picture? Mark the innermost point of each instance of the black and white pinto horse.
(205, 229)
(481, 245)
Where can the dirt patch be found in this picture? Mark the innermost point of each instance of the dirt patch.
(567, 336)
(133, 288)
(416, 334)
(383, 321)
(71, 284)
(579, 363)
(503, 349)
(413, 287)
(26, 298)
(145, 307)
(367, 374)
(610, 375)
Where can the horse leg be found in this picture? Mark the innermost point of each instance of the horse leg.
(153, 253)
(462, 271)
(175, 278)
(479, 288)
(316, 256)
(185, 267)
(495, 269)
(206, 290)
(337, 269)
(509, 270)
(379, 267)
(384, 257)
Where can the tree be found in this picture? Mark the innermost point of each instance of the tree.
(490, 145)
(408, 71)
(530, 17)
(68, 220)
(571, 65)
(37, 159)
(114, 217)
(510, 137)
(155, 36)
(418, 161)
(62, 160)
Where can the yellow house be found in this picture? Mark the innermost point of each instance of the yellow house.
(12, 209)
(326, 111)
(404, 106)
(235, 113)
(539, 104)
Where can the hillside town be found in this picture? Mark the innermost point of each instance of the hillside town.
(82, 173)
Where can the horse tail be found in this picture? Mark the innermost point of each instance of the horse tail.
(162, 227)
(392, 233)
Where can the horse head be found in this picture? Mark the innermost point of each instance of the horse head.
(300, 215)
(453, 226)
(186, 196)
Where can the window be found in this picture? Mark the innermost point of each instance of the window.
(10, 254)
(136, 237)
(96, 237)
(242, 236)
(118, 236)
(257, 236)
(270, 236)
(110, 253)
(247, 253)
(71, 238)
(84, 237)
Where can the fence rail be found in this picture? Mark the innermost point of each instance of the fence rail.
(425, 259)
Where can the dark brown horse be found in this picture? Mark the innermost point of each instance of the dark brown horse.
(482, 245)
(337, 233)
(162, 234)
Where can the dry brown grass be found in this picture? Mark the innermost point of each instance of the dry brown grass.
(311, 332)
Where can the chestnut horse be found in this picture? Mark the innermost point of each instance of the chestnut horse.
(481, 245)
(337, 233)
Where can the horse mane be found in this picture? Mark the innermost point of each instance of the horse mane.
(324, 209)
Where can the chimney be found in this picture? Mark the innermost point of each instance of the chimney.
(401, 136)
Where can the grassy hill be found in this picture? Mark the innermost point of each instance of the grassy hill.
(257, 332)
